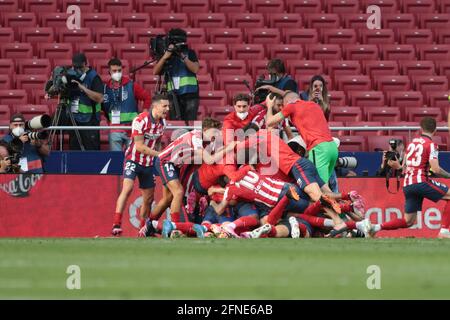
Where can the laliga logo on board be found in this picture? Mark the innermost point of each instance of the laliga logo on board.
(21, 185)
(134, 210)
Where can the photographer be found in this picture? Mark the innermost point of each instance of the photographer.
(281, 80)
(120, 104)
(5, 163)
(318, 93)
(32, 151)
(179, 64)
(390, 158)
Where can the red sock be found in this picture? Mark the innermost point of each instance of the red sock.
(345, 195)
(314, 209)
(175, 216)
(313, 221)
(272, 233)
(350, 224)
(303, 229)
(346, 206)
(445, 220)
(207, 225)
(277, 212)
(244, 224)
(117, 220)
(142, 223)
(185, 227)
(394, 224)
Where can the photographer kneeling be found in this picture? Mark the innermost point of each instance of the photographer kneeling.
(29, 149)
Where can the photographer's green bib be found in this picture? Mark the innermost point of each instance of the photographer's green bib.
(81, 106)
(182, 80)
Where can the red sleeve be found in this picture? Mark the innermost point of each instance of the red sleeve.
(235, 175)
(288, 110)
(141, 94)
(226, 137)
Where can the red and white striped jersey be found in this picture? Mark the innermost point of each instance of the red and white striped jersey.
(418, 155)
(260, 120)
(152, 130)
(181, 151)
(255, 188)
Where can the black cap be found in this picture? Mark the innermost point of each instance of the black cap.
(78, 60)
(18, 117)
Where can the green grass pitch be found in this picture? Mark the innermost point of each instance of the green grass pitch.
(224, 268)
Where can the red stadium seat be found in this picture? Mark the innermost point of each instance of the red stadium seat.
(94, 20)
(398, 20)
(13, 97)
(205, 82)
(40, 5)
(229, 6)
(353, 82)
(376, 143)
(418, 6)
(147, 81)
(246, 20)
(342, 6)
(337, 98)
(222, 112)
(95, 50)
(101, 66)
(231, 82)
(16, 50)
(360, 51)
(53, 19)
(324, 52)
(442, 36)
(20, 19)
(339, 36)
(34, 66)
(75, 35)
(377, 36)
(131, 51)
(195, 35)
(301, 36)
(143, 35)
(133, 20)
(366, 124)
(191, 6)
(434, 51)
(416, 36)
(405, 99)
(37, 35)
(434, 20)
(30, 111)
(411, 68)
(211, 51)
(304, 67)
(366, 98)
(116, 6)
(386, 6)
(30, 82)
(392, 83)
(285, 20)
(257, 67)
(416, 114)
(408, 134)
(212, 99)
(233, 67)
(380, 67)
(225, 35)
(85, 5)
(5, 113)
(355, 20)
(5, 81)
(445, 6)
(306, 6)
(170, 20)
(247, 51)
(263, 35)
(437, 99)
(346, 114)
(443, 68)
(151, 6)
(353, 143)
(336, 124)
(6, 35)
(9, 6)
(285, 51)
(266, 6)
(111, 35)
(430, 83)
(383, 114)
(7, 67)
(398, 52)
(208, 20)
(322, 20)
(303, 81)
(338, 67)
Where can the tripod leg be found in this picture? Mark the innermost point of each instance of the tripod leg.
(55, 123)
(77, 132)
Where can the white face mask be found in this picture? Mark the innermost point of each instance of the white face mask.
(18, 131)
(242, 115)
(116, 76)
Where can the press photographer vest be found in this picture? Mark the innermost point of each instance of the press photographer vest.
(125, 100)
(33, 159)
(85, 109)
(187, 80)
(282, 82)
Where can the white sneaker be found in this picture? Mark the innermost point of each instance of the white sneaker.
(295, 230)
(257, 233)
(444, 234)
(365, 226)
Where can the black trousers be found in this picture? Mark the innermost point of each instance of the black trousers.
(188, 107)
(89, 138)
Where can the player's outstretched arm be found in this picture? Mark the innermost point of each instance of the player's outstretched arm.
(216, 157)
(434, 164)
(142, 148)
(271, 119)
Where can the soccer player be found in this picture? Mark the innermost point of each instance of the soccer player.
(147, 130)
(422, 154)
(309, 119)
(186, 149)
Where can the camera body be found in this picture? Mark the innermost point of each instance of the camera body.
(160, 44)
(61, 82)
(261, 95)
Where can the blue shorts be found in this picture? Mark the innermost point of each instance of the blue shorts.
(146, 175)
(212, 217)
(167, 171)
(244, 209)
(304, 173)
(415, 193)
(300, 205)
(196, 182)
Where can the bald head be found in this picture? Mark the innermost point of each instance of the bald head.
(290, 97)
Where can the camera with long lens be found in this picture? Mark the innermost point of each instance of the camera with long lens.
(15, 149)
(347, 163)
(260, 95)
(160, 44)
(392, 155)
(61, 82)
